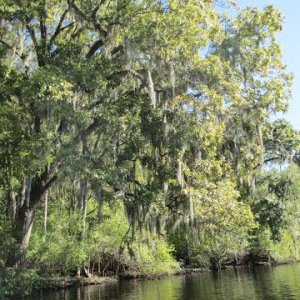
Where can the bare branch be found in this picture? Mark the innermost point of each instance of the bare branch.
(97, 45)
(7, 45)
(58, 28)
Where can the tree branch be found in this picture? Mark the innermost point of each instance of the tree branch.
(11, 48)
(58, 28)
(97, 45)
(78, 10)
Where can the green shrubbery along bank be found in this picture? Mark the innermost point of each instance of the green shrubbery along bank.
(136, 139)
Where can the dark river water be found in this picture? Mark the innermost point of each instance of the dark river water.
(262, 283)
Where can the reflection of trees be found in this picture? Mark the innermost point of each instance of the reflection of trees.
(262, 283)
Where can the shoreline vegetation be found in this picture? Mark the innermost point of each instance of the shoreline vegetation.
(45, 284)
(138, 137)
(28, 284)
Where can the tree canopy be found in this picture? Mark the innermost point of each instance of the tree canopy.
(159, 110)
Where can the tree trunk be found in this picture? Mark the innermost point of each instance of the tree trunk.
(12, 205)
(46, 212)
(99, 195)
(84, 209)
(35, 190)
(82, 202)
(22, 232)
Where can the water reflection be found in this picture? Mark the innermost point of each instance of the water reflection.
(264, 283)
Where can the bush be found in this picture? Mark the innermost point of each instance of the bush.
(18, 282)
(155, 257)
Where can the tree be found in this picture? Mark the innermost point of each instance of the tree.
(70, 64)
(281, 142)
(122, 100)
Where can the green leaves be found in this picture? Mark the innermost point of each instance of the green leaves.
(281, 142)
(161, 105)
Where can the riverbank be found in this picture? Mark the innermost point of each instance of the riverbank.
(25, 282)
(62, 283)
(243, 283)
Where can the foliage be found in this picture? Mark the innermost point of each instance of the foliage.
(276, 207)
(121, 118)
(282, 142)
(18, 282)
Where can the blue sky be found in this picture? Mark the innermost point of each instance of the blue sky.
(290, 41)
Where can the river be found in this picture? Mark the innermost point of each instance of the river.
(261, 283)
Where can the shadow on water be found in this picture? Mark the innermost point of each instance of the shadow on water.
(262, 283)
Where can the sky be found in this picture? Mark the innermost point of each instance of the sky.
(290, 41)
